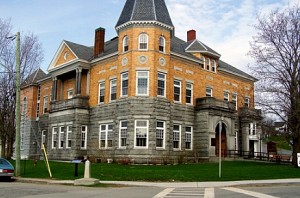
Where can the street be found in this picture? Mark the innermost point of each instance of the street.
(35, 190)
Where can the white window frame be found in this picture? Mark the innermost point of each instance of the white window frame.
(252, 128)
(113, 89)
(136, 129)
(101, 92)
(177, 138)
(161, 44)
(43, 138)
(45, 106)
(68, 138)
(54, 137)
(124, 89)
(214, 66)
(234, 100)
(106, 136)
(123, 132)
(226, 96)
(207, 64)
(139, 77)
(177, 86)
(61, 137)
(161, 77)
(160, 134)
(209, 92)
(247, 102)
(83, 137)
(125, 43)
(189, 87)
(189, 135)
(143, 40)
(70, 93)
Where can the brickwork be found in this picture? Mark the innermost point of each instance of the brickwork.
(66, 55)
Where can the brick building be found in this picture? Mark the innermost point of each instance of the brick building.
(144, 94)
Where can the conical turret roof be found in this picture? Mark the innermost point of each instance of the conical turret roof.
(145, 11)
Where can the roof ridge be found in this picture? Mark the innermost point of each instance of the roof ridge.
(131, 17)
(154, 10)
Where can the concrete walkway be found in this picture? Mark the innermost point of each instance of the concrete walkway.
(170, 184)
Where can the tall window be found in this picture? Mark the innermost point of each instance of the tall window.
(176, 136)
(226, 96)
(124, 85)
(207, 63)
(177, 90)
(106, 136)
(142, 83)
(61, 137)
(247, 102)
(160, 134)
(70, 93)
(188, 137)
(123, 133)
(45, 104)
(44, 137)
(83, 137)
(234, 100)
(24, 109)
(125, 44)
(69, 136)
(141, 133)
(161, 84)
(101, 92)
(209, 92)
(213, 66)
(143, 41)
(161, 42)
(252, 128)
(113, 89)
(54, 137)
(189, 93)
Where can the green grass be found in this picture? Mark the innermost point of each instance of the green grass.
(231, 171)
(281, 142)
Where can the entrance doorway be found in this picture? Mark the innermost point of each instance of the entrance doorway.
(223, 140)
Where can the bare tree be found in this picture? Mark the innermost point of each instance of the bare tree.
(276, 50)
(31, 58)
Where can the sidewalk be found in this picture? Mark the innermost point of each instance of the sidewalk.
(169, 184)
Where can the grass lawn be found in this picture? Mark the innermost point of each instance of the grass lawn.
(231, 171)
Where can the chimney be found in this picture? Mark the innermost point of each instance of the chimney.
(99, 41)
(191, 35)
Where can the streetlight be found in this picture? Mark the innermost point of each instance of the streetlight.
(220, 145)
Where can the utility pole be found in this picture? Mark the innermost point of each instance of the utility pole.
(18, 158)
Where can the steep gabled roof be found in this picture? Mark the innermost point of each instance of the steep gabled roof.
(198, 46)
(81, 51)
(145, 11)
(34, 77)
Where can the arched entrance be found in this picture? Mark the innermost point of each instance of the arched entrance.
(223, 140)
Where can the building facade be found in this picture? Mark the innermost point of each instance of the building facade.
(143, 95)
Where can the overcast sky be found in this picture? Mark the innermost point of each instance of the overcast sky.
(224, 25)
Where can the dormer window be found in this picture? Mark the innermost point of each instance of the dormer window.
(213, 66)
(207, 63)
(161, 44)
(125, 44)
(143, 41)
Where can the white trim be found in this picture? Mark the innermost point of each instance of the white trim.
(179, 141)
(120, 130)
(164, 134)
(148, 83)
(144, 22)
(61, 136)
(85, 138)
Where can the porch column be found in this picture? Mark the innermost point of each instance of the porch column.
(54, 88)
(78, 81)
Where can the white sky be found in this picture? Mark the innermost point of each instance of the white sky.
(223, 25)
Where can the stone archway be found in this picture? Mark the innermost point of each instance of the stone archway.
(223, 140)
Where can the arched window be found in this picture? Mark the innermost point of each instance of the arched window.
(125, 44)
(161, 43)
(143, 41)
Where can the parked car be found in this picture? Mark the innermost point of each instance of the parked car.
(6, 169)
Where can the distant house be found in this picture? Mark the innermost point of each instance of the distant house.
(280, 127)
(145, 94)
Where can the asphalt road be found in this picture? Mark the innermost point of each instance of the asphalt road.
(36, 190)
